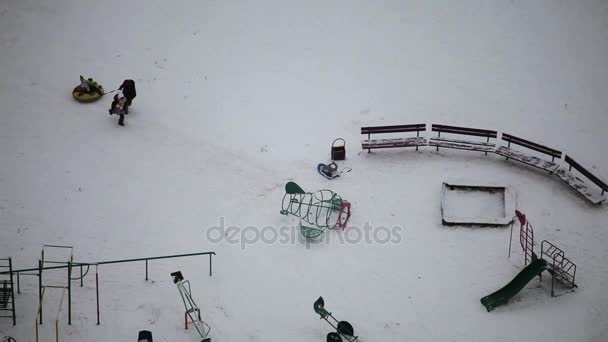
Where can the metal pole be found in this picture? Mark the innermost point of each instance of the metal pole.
(487, 141)
(97, 292)
(511, 239)
(553, 279)
(146, 270)
(57, 330)
(18, 284)
(69, 293)
(210, 266)
(81, 282)
(40, 288)
(10, 267)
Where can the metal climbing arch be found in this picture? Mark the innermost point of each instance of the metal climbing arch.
(322, 209)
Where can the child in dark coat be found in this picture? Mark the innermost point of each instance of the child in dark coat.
(119, 106)
(128, 88)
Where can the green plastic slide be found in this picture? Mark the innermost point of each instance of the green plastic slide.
(503, 295)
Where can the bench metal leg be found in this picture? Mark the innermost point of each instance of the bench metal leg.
(487, 141)
(438, 136)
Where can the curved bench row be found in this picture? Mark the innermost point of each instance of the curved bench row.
(478, 140)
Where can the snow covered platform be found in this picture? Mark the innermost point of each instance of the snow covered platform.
(526, 159)
(579, 185)
(462, 144)
(473, 203)
(397, 142)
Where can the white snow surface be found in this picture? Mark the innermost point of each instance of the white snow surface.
(235, 98)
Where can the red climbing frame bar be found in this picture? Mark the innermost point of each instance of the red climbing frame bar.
(526, 236)
(345, 209)
(186, 317)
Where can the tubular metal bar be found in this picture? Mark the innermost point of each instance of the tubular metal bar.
(69, 295)
(10, 267)
(57, 246)
(97, 292)
(40, 288)
(111, 262)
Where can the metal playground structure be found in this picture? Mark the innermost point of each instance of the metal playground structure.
(8, 274)
(552, 259)
(192, 310)
(317, 211)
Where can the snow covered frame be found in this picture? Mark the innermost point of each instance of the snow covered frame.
(508, 202)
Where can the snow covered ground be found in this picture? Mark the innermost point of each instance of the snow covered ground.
(235, 98)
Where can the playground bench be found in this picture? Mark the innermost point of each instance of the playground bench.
(469, 145)
(416, 141)
(509, 153)
(580, 185)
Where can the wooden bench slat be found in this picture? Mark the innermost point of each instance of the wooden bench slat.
(526, 159)
(462, 144)
(399, 142)
(531, 145)
(579, 185)
(464, 130)
(586, 173)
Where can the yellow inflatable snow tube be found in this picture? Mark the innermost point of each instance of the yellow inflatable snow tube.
(88, 97)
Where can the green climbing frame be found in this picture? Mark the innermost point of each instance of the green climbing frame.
(317, 211)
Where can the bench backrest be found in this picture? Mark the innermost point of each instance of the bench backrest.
(583, 171)
(464, 130)
(393, 129)
(531, 145)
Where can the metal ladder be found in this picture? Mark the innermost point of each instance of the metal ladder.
(7, 291)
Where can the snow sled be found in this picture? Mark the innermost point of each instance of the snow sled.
(94, 93)
(330, 171)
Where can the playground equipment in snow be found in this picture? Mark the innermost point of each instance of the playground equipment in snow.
(7, 290)
(452, 191)
(322, 209)
(66, 288)
(552, 259)
(192, 310)
(343, 328)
